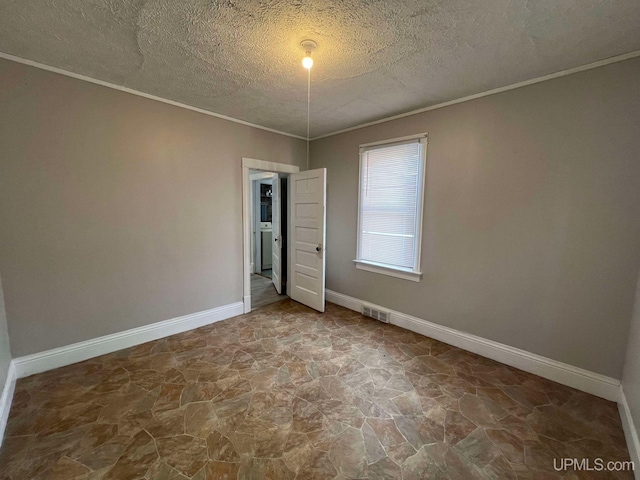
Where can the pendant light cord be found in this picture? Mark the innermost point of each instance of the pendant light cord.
(308, 111)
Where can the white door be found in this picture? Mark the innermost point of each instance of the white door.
(276, 262)
(307, 204)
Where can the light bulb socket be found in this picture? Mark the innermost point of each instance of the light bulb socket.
(308, 45)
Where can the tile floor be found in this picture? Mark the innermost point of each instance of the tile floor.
(285, 393)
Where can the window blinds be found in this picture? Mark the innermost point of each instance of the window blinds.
(389, 196)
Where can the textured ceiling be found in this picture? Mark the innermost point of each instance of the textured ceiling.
(375, 58)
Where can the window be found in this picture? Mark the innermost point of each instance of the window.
(390, 206)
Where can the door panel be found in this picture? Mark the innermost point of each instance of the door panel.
(308, 224)
(276, 263)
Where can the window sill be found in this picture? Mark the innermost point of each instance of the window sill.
(387, 270)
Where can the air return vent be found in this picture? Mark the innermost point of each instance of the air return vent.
(368, 311)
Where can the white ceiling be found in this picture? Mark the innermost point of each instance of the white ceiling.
(375, 58)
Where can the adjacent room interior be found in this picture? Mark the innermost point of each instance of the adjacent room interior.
(341, 240)
(268, 237)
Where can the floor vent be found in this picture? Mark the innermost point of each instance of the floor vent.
(375, 314)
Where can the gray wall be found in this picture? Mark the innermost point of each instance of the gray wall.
(631, 376)
(532, 207)
(5, 350)
(116, 211)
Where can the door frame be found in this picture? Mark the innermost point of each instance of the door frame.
(247, 165)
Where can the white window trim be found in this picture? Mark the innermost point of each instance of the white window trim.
(413, 274)
(405, 274)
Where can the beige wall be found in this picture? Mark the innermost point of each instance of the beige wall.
(631, 375)
(5, 350)
(532, 207)
(116, 211)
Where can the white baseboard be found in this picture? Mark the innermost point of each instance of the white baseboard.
(630, 432)
(578, 378)
(78, 352)
(6, 398)
(247, 303)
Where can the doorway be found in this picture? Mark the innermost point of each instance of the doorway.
(298, 268)
(268, 237)
(265, 188)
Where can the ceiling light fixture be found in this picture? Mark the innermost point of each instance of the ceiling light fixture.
(309, 46)
(307, 62)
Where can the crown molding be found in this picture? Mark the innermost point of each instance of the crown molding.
(506, 88)
(544, 78)
(31, 63)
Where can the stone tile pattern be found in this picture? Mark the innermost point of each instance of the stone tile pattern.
(285, 392)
